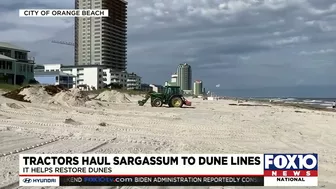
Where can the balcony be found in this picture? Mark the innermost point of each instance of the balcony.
(115, 76)
(65, 82)
(25, 61)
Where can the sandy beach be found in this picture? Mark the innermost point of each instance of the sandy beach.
(118, 126)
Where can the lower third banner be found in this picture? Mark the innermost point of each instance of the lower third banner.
(161, 181)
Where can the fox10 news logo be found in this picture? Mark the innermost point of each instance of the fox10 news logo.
(291, 167)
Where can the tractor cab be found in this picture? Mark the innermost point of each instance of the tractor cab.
(172, 90)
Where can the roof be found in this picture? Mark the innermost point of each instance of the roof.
(37, 66)
(83, 66)
(157, 85)
(11, 46)
(52, 73)
(3, 57)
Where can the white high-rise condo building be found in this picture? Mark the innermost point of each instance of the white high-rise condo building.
(184, 76)
(102, 41)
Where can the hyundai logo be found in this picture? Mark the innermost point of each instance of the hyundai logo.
(27, 180)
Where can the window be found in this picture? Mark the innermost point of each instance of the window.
(56, 78)
(2, 65)
(5, 52)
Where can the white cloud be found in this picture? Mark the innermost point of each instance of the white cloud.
(322, 51)
(323, 25)
(286, 41)
(280, 33)
(244, 57)
(291, 40)
(317, 11)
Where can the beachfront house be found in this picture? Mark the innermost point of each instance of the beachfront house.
(133, 81)
(15, 66)
(91, 77)
(56, 78)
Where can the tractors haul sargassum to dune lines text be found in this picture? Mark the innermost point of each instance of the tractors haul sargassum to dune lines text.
(172, 96)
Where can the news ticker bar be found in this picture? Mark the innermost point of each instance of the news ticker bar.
(161, 181)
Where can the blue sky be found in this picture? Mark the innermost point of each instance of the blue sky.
(237, 43)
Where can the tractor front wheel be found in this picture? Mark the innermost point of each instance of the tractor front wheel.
(176, 102)
(157, 102)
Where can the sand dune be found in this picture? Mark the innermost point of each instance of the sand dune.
(113, 96)
(211, 127)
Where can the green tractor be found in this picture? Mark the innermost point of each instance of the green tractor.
(172, 96)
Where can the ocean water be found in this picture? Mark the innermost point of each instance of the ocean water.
(318, 102)
(322, 96)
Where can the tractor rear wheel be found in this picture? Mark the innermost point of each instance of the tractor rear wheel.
(157, 102)
(176, 102)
